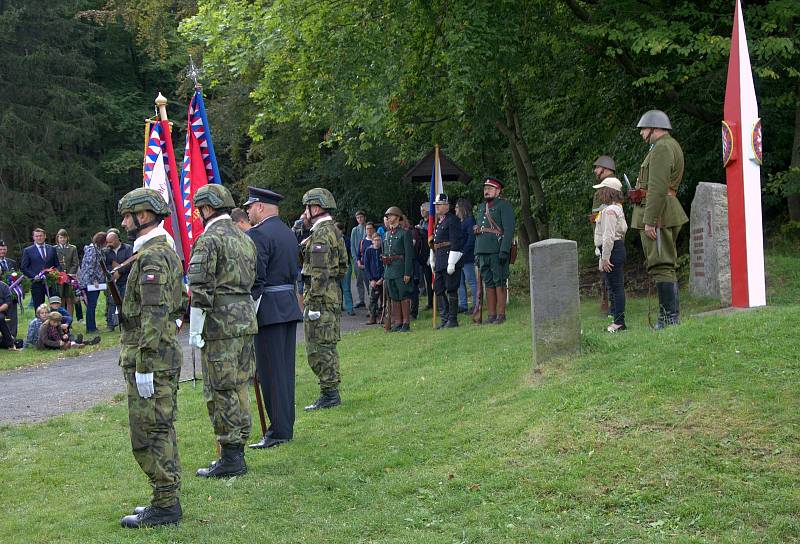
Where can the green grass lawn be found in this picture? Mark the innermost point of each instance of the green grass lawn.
(687, 435)
(32, 357)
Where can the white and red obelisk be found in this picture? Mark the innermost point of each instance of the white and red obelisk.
(741, 154)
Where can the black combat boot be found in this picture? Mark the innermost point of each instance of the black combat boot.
(444, 313)
(452, 313)
(230, 464)
(327, 399)
(672, 316)
(663, 296)
(153, 516)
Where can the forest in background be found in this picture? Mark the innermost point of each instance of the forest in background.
(348, 94)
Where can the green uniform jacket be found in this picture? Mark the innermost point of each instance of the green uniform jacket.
(68, 258)
(154, 299)
(324, 265)
(221, 273)
(503, 215)
(661, 171)
(398, 242)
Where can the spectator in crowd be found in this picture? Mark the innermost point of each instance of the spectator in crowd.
(417, 246)
(68, 259)
(6, 266)
(364, 243)
(36, 258)
(422, 227)
(35, 324)
(55, 305)
(357, 234)
(383, 228)
(609, 239)
(7, 340)
(240, 219)
(91, 278)
(347, 294)
(115, 254)
(53, 334)
(374, 270)
(464, 213)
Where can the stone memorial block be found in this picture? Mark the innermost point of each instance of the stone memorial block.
(710, 270)
(555, 301)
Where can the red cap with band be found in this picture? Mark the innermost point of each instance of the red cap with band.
(493, 183)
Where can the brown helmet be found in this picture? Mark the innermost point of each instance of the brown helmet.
(394, 210)
(604, 161)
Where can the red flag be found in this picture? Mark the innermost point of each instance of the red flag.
(176, 192)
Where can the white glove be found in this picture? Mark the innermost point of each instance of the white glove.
(431, 259)
(597, 252)
(452, 259)
(144, 383)
(257, 303)
(313, 315)
(197, 319)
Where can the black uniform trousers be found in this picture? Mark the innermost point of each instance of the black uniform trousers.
(447, 283)
(275, 363)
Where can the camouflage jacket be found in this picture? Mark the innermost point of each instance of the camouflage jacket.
(324, 265)
(154, 299)
(221, 273)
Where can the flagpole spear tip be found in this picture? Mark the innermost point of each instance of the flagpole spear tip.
(161, 100)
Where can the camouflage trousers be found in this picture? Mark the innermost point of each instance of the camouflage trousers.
(152, 426)
(227, 368)
(321, 337)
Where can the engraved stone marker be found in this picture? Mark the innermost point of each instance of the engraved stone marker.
(710, 270)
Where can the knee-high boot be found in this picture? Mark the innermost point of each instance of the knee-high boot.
(501, 305)
(491, 304)
(444, 312)
(452, 314)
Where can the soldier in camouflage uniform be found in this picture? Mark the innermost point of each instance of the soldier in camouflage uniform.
(151, 356)
(398, 261)
(657, 213)
(222, 324)
(324, 265)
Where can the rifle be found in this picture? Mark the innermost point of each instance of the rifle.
(477, 310)
(260, 405)
(112, 284)
(387, 309)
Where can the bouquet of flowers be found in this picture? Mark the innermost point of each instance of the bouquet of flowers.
(19, 285)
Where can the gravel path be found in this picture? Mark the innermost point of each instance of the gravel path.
(76, 383)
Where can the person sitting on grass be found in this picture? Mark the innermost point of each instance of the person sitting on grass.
(609, 238)
(36, 323)
(66, 321)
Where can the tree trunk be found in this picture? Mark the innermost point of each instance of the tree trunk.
(794, 199)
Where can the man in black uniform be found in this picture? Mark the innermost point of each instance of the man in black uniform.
(277, 312)
(445, 261)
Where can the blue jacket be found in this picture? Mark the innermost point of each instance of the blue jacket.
(32, 262)
(373, 265)
(469, 240)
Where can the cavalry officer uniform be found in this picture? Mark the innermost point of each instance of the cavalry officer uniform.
(448, 241)
(398, 262)
(277, 313)
(494, 235)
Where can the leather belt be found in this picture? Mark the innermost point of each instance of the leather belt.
(441, 245)
(670, 192)
(489, 230)
(388, 259)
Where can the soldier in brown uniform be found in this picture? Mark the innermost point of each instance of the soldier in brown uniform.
(657, 213)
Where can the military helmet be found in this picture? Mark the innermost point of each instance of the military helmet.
(320, 197)
(394, 210)
(654, 119)
(143, 199)
(604, 161)
(214, 195)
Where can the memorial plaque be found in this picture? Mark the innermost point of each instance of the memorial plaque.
(710, 271)
(555, 301)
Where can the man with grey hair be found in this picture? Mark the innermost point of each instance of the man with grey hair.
(115, 254)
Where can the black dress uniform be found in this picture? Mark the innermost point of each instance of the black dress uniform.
(446, 238)
(278, 313)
